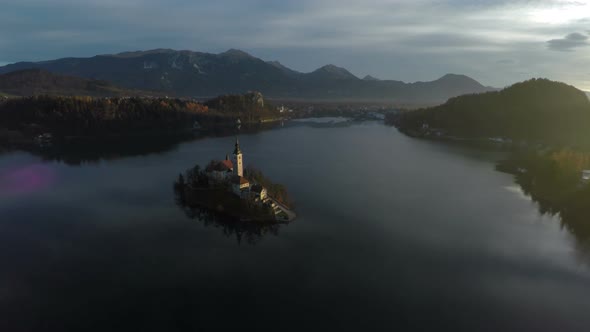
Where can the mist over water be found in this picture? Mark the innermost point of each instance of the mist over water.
(393, 233)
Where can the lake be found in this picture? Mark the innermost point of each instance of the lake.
(392, 233)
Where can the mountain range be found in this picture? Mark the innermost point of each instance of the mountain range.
(197, 74)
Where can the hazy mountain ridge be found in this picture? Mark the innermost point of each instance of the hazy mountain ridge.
(191, 73)
(538, 110)
(38, 81)
(370, 78)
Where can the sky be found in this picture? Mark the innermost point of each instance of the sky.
(497, 42)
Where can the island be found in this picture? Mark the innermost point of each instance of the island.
(227, 188)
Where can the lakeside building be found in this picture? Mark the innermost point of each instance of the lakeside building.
(230, 173)
(258, 193)
(220, 171)
(240, 186)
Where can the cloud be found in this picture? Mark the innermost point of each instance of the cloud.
(403, 39)
(569, 42)
(506, 62)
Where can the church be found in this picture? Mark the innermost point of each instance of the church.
(232, 172)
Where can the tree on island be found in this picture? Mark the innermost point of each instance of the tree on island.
(275, 190)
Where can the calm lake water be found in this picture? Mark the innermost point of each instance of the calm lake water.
(393, 233)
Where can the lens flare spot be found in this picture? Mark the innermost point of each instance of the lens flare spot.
(26, 179)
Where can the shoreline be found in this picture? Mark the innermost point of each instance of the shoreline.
(220, 200)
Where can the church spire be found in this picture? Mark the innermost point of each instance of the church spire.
(237, 149)
(238, 160)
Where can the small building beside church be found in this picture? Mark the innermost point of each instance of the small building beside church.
(230, 174)
(240, 186)
(220, 171)
(258, 193)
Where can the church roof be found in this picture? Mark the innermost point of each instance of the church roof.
(220, 166)
(228, 164)
(240, 180)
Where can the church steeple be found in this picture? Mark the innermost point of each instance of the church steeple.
(237, 149)
(238, 161)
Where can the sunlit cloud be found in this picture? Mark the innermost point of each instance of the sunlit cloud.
(561, 12)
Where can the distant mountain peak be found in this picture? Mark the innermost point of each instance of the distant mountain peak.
(135, 54)
(451, 76)
(334, 72)
(331, 67)
(190, 73)
(458, 79)
(279, 65)
(282, 67)
(235, 53)
(276, 64)
(370, 78)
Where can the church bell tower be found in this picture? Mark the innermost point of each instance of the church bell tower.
(238, 161)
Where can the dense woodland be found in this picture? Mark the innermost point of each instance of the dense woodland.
(553, 179)
(95, 116)
(537, 110)
(83, 116)
(249, 107)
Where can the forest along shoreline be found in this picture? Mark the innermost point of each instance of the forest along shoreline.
(39, 121)
(544, 125)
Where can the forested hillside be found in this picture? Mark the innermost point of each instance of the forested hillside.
(537, 110)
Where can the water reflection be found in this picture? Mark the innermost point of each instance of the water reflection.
(557, 192)
(395, 233)
(92, 150)
(250, 232)
(573, 212)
